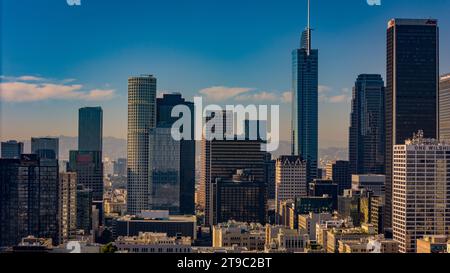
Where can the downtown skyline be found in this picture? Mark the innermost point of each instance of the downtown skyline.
(252, 69)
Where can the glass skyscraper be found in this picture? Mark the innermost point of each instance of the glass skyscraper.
(305, 103)
(367, 138)
(164, 108)
(90, 129)
(45, 148)
(141, 118)
(412, 84)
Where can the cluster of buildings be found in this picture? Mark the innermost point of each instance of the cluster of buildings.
(390, 196)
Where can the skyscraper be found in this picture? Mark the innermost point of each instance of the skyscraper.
(90, 129)
(89, 169)
(411, 87)
(305, 102)
(420, 191)
(28, 199)
(11, 149)
(45, 148)
(240, 198)
(290, 179)
(165, 106)
(367, 137)
(164, 173)
(141, 118)
(444, 107)
(67, 206)
(339, 173)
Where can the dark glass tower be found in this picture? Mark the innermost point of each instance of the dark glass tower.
(45, 148)
(28, 199)
(367, 138)
(90, 129)
(412, 83)
(305, 102)
(164, 108)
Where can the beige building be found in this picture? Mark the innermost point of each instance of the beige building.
(282, 239)
(250, 236)
(290, 179)
(308, 222)
(420, 191)
(369, 245)
(67, 206)
(347, 234)
(433, 244)
(154, 243)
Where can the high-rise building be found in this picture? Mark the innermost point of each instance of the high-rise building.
(141, 118)
(164, 173)
(305, 102)
(11, 149)
(84, 209)
(28, 199)
(89, 169)
(223, 158)
(367, 137)
(421, 200)
(319, 188)
(339, 172)
(411, 87)
(165, 105)
(45, 148)
(67, 206)
(90, 129)
(369, 182)
(290, 179)
(240, 199)
(444, 107)
(270, 176)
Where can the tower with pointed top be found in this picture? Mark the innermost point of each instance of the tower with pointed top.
(305, 74)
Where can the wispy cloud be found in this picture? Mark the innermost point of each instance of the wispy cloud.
(31, 88)
(243, 94)
(223, 93)
(327, 95)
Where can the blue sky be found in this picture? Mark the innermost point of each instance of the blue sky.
(83, 55)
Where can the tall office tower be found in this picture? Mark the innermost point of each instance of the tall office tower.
(241, 198)
(11, 149)
(84, 209)
(305, 102)
(369, 182)
(444, 107)
(367, 137)
(339, 172)
(420, 190)
(45, 148)
(67, 206)
(270, 176)
(28, 199)
(290, 179)
(411, 88)
(165, 170)
(165, 106)
(224, 158)
(141, 118)
(90, 129)
(89, 169)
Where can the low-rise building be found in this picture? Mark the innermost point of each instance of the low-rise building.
(148, 242)
(250, 236)
(433, 244)
(308, 222)
(347, 234)
(282, 239)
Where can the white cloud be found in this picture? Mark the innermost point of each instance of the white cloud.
(30, 88)
(223, 93)
(326, 96)
(286, 97)
(262, 96)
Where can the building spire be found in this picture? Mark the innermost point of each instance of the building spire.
(306, 36)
